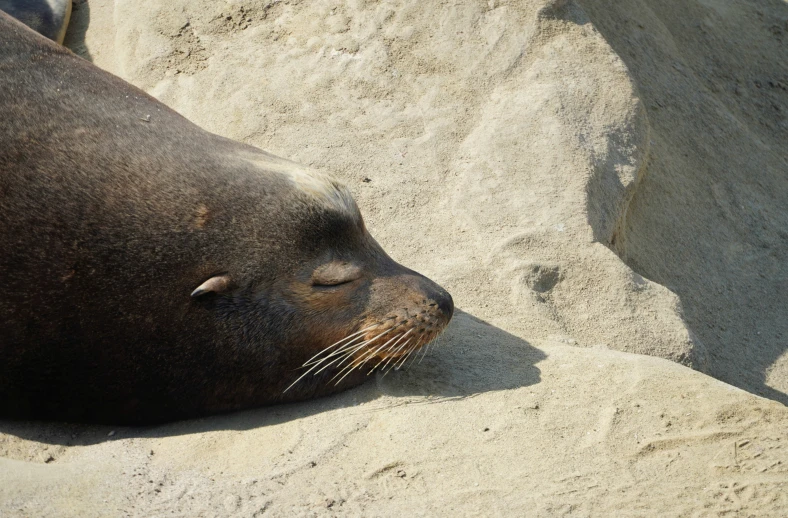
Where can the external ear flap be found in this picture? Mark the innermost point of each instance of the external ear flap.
(214, 284)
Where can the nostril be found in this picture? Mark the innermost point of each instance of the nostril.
(446, 304)
(434, 295)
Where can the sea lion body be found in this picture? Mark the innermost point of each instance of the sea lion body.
(153, 271)
(47, 17)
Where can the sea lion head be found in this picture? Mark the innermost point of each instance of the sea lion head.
(314, 289)
(115, 209)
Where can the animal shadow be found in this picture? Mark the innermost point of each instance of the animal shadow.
(470, 358)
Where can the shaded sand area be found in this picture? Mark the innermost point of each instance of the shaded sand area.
(588, 180)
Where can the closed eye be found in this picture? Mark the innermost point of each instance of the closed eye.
(335, 274)
(332, 282)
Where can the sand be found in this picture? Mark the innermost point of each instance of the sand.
(601, 187)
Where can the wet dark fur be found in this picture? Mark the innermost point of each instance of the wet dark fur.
(110, 218)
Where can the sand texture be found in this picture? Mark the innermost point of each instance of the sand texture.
(588, 179)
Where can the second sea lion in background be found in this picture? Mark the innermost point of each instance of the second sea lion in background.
(47, 17)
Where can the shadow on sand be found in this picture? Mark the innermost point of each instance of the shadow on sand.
(470, 358)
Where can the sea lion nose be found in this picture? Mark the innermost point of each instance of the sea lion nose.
(425, 291)
(440, 297)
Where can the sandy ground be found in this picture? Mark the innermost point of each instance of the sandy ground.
(588, 179)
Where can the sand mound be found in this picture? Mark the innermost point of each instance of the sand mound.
(709, 221)
(515, 153)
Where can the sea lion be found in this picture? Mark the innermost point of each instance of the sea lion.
(47, 17)
(153, 271)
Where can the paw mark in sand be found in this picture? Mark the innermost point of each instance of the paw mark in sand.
(743, 495)
(188, 55)
(541, 278)
(761, 455)
(234, 18)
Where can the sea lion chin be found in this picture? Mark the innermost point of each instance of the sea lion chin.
(153, 271)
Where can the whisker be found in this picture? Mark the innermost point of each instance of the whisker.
(353, 344)
(397, 337)
(354, 365)
(360, 362)
(371, 340)
(391, 356)
(416, 349)
(433, 337)
(315, 366)
(339, 342)
(410, 351)
(346, 355)
(349, 368)
(406, 344)
(426, 348)
(300, 378)
(345, 347)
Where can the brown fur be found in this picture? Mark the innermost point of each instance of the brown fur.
(108, 223)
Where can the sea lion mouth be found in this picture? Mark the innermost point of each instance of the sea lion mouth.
(386, 344)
